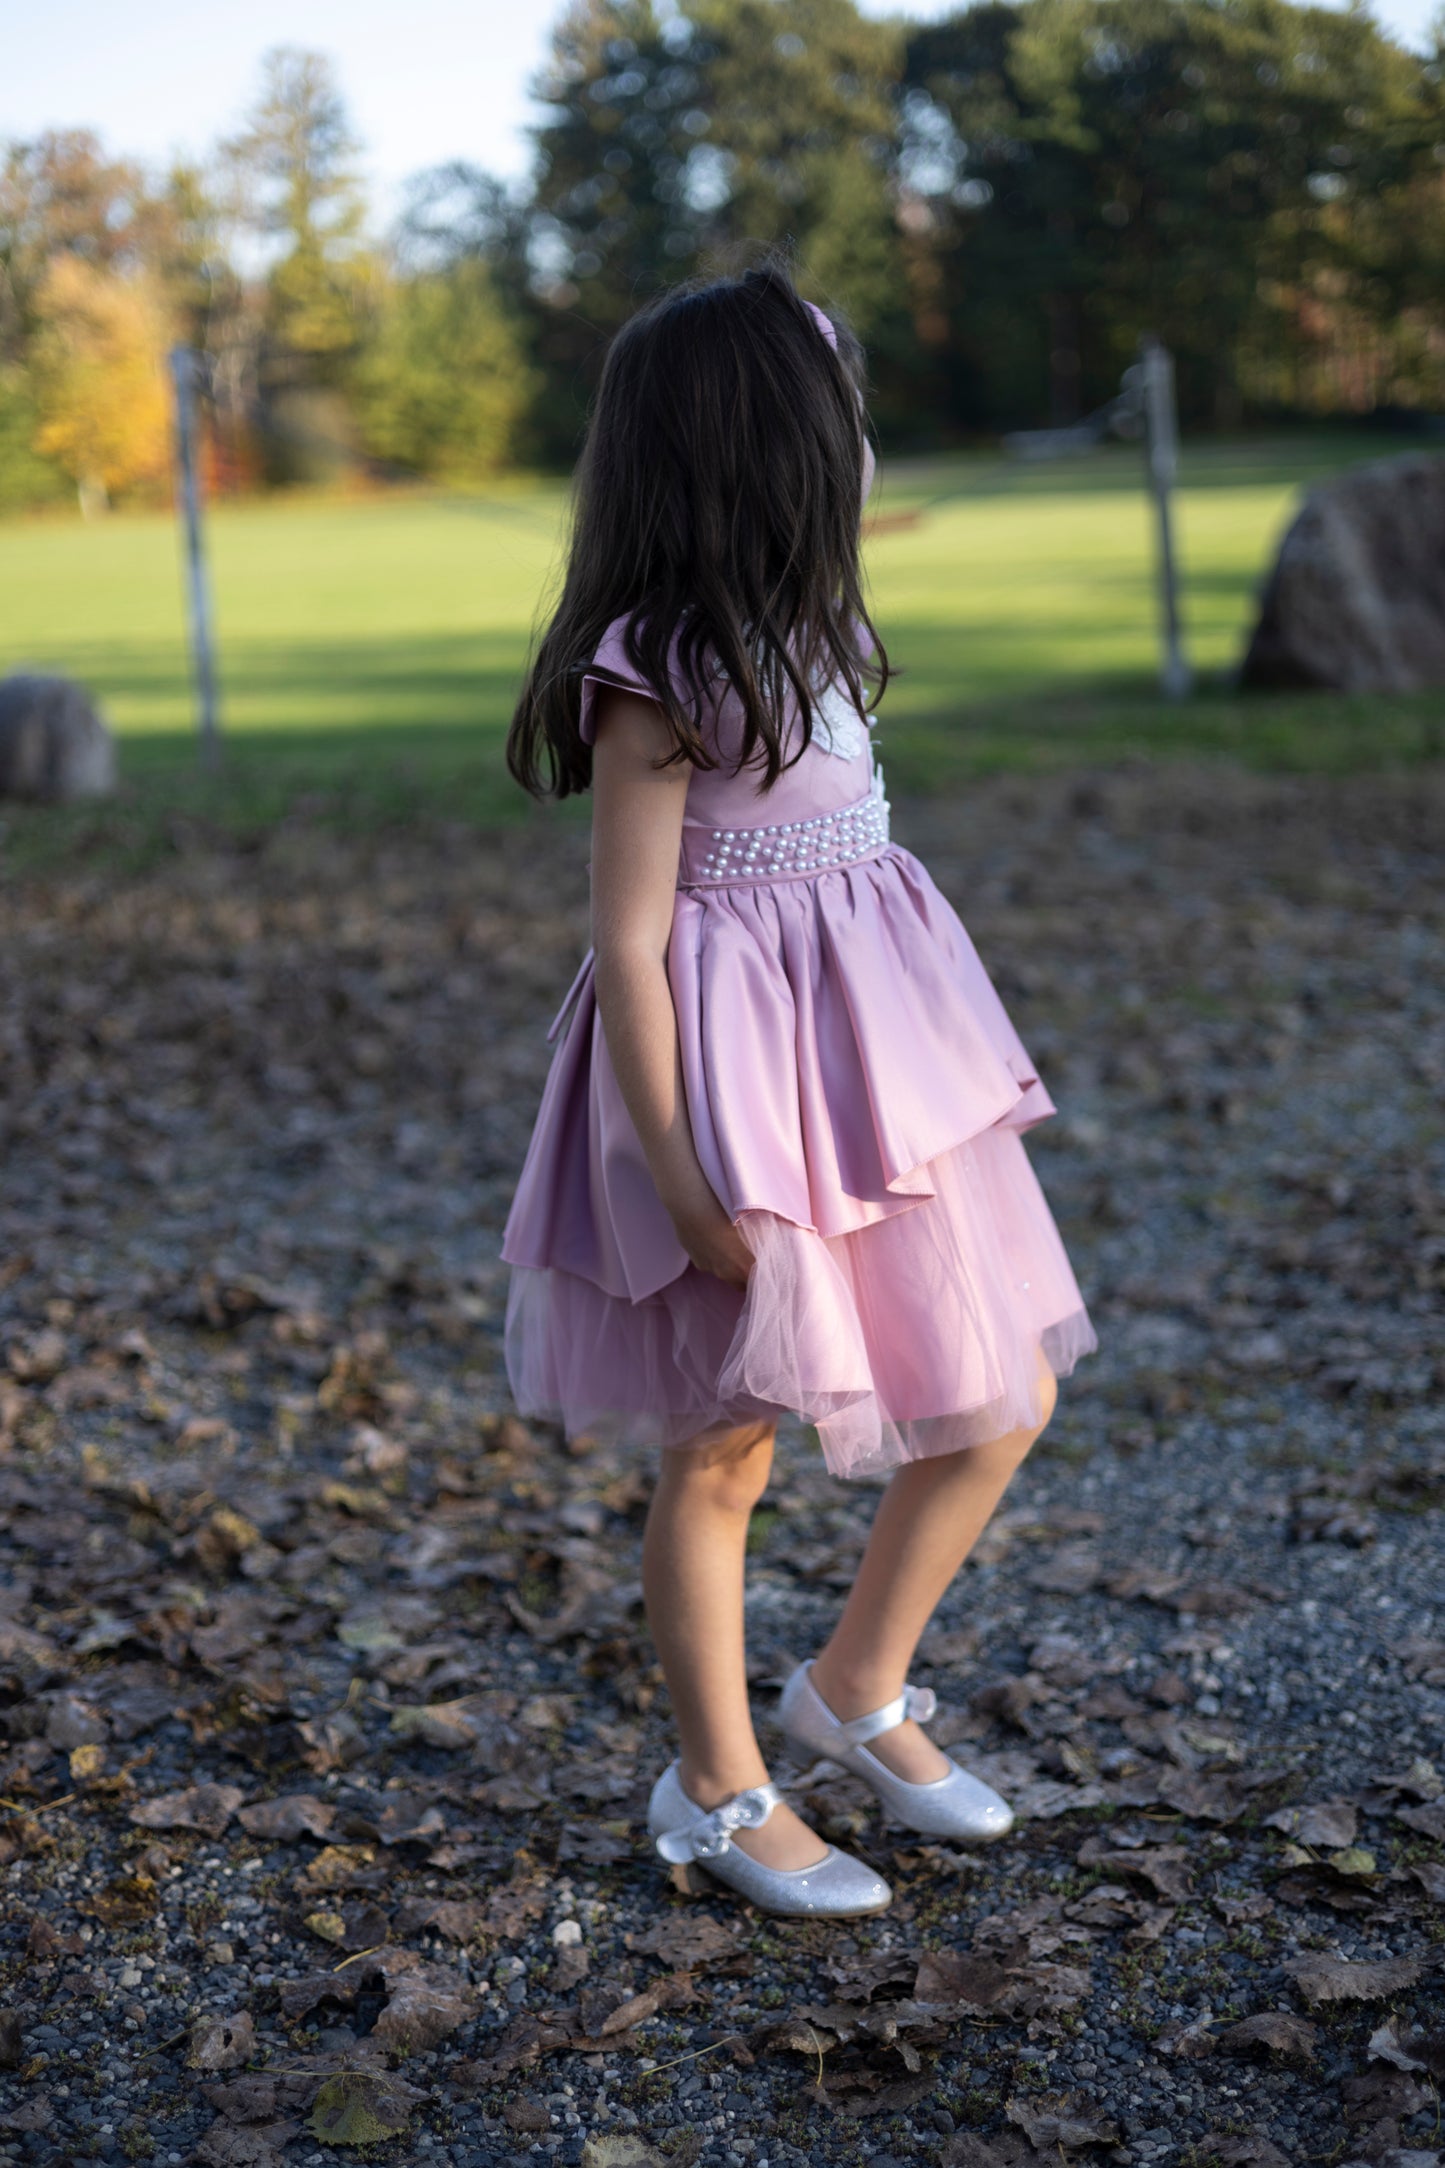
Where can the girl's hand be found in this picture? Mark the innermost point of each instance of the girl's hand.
(712, 1241)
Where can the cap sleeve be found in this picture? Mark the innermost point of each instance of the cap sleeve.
(609, 667)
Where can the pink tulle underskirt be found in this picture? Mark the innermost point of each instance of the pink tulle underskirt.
(929, 1331)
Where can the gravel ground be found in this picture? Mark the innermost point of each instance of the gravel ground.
(329, 1714)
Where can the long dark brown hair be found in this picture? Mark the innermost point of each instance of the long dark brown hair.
(717, 508)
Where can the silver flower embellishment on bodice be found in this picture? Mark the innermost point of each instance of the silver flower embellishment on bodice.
(837, 725)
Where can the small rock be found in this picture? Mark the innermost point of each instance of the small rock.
(54, 747)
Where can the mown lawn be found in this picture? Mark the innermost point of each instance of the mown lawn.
(371, 647)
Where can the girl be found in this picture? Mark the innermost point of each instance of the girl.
(777, 1165)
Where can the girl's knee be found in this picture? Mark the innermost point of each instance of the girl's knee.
(1048, 1392)
(730, 1470)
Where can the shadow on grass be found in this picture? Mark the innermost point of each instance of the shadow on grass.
(452, 682)
(1301, 733)
(383, 777)
(346, 781)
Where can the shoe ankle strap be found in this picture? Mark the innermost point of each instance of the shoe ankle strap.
(711, 1833)
(919, 1702)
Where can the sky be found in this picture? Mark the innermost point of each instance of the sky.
(424, 80)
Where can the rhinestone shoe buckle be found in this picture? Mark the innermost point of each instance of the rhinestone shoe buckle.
(920, 1702)
(711, 1834)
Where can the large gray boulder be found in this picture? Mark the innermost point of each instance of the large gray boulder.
(53, 745)
(1356, 600)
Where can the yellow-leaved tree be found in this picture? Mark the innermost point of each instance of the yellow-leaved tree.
(98, 364)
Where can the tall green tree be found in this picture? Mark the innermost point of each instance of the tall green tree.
(673, 144)
(620, 160)
(294, 184)
(443, 385)
(1095, 169)
(802, 118)
(25, 478)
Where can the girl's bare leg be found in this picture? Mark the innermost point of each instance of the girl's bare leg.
(928, 1520)
(693, 1555)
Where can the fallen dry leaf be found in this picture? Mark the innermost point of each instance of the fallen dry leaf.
(226, 2146)
(1191, 2039)
(1236, 1911)
(694, 1942)
(966, 2149)
(1340, 1979)
(1329, 1825)
(1384, 2097)
(1430, 1874)
(523, 2115)
(1386, 2046)
(35, 2113)
(894, 2098)
(1417, 2049)
(425, 2003)
(362, 2107)
(1070, 1572)
(1423, 1659)
(342, 1866)
(1292, 2037)
(206, 1807)
(524, 2039)
(964, 1980)
(958, 1977)
(1165, 1867)
(1050, 2123)
(621, 2149)
(264, 2097)
(87, 1764)
(296, 1814)
(123, 1902)
(449, 1724)
(1242, 2152)
(459, 1919)
(222, 2043)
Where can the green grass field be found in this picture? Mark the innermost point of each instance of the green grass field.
(370, 648)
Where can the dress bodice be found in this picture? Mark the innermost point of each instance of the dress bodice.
(837, 771)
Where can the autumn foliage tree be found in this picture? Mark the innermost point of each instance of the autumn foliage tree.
(98, 363)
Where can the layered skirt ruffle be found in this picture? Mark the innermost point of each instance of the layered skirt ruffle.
(856, 1093)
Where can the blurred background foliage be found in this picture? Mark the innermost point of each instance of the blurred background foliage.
(1001, 200)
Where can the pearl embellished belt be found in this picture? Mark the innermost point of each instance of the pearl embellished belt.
(785, 850)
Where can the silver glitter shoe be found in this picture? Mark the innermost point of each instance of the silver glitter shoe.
(837, 1886)
(957, 1805)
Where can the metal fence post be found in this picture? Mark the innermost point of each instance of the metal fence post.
(1161, 439)
(185, 369)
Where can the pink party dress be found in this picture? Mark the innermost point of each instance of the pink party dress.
(857, 1095)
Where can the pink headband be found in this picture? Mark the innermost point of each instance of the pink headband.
(823, 324)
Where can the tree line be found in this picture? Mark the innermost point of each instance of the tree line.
(1003, 201)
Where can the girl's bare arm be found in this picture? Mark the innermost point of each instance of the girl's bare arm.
(636, 837)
